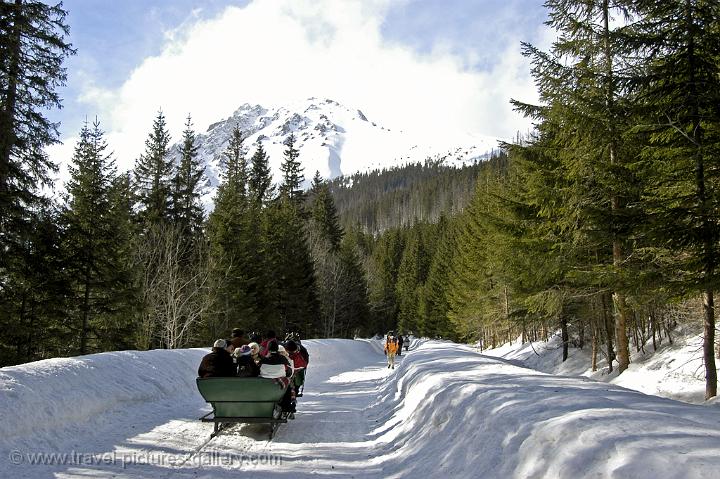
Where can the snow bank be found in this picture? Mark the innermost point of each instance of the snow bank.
(674, 370)
(45, 397)
(445, 411)
(450, 409)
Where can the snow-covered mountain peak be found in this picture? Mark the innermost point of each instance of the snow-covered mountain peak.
(332, 138)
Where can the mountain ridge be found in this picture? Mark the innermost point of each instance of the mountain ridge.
(332, 138)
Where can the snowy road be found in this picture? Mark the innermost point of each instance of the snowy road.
(445, 411)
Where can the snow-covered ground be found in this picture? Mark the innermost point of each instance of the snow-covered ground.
(675, 370)
(445, 411)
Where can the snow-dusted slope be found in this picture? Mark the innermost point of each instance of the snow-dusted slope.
(445, 411)
(333, 139)
(675, 370)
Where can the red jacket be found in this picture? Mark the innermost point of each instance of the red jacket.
(298, 360)
(264, 346)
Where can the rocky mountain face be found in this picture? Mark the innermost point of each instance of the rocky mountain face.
(332, 139)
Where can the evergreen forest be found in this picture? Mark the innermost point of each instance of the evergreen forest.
(602, 224)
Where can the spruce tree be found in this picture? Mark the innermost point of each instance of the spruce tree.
(260, 179)
(434, 306)
(408, 284)
(96, 243)
(292, 177)
(153, 175)
(33, 47)
(324, 213)
(293, 303)
(230, 241)
(679, 123)
(34, 315)
(187, 209)
(582, 86)
(382, 278)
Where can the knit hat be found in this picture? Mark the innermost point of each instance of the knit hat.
(244, 350)
(291, 346)
(220, 343)
(273, 346)
(237, 332)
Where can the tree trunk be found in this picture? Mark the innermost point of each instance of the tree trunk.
(708, 239)
(594, 348)
(86, 314)
(608, 332)
(709, 345)
(564, 332)
(621, 317)
(7, 113)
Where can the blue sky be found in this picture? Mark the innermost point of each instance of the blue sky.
(453, 63)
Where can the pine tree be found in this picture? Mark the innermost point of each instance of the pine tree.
(382, 278)
(97, 245)
(354, 306)
(33, 48)
(408, 283)
(292, 179)
(678, 97)
(33, 299)
(153, 175)
(260, 179)
(581, 83)
(231, 242)
(187, 209)
(434, 306)
(324, 214)
(293, 303)
(472, 293)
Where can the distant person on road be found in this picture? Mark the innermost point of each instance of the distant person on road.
(400, 344)
(218, 363)
(391, 347)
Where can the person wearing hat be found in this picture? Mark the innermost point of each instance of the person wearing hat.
(247, 367)
(218, 363)
(239, 338)
(270, 336)
(391, 347)
(255, 351)
(299, 365)
(274, 365)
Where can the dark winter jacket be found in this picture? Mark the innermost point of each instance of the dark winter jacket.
(219, 363)
(275, 366)
(238, 341)
(247, 368)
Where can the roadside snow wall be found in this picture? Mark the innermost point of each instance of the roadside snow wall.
(38, 397)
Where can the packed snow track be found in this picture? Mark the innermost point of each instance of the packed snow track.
(445, 411)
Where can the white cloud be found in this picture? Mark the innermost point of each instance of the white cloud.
(274, 51)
